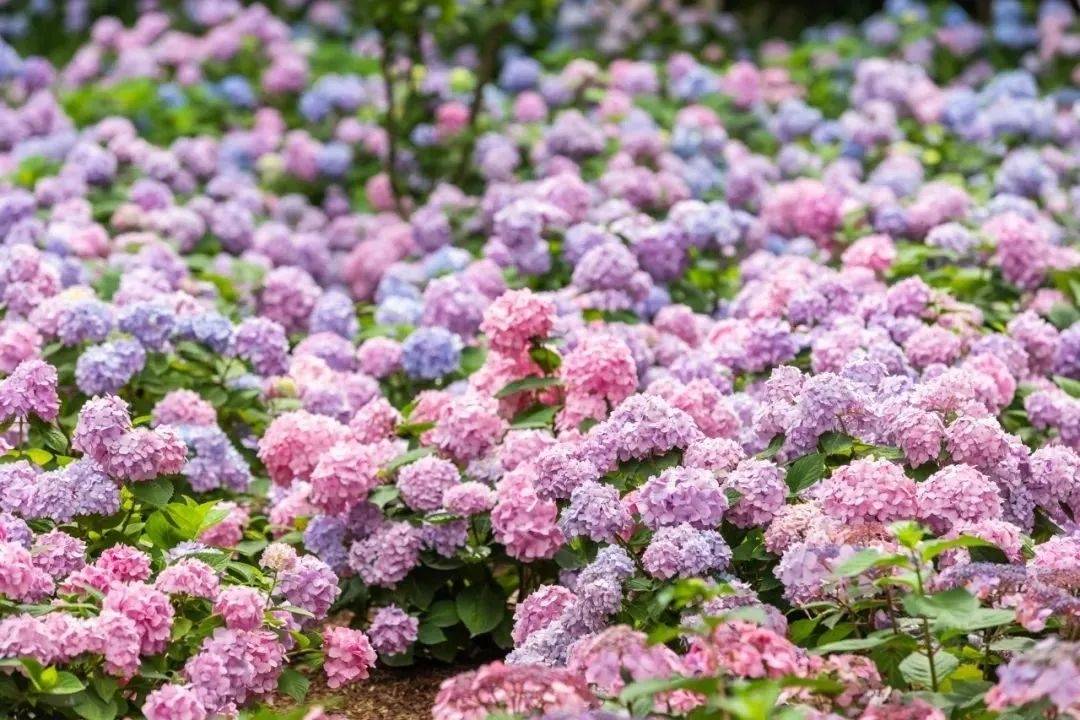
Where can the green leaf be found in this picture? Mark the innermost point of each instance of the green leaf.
(413, 429)
(805, 472)
(916, 667)
(65, 684)
(93, 707)
(548, 360)
(651, 688)
(156, 493)
(55, 440)
(383, 495)
(526, 384)
(442, 614)
(536, 417)
(932, 548)
(1072, 387)
(293, 684)
(834, 443)
(38, 456)
(853, 644)
(864, 560)
(774, 447)
(481, 608)
(956, 609)
(406, 458)
(472, 358)
(105, 686)
(430, 634)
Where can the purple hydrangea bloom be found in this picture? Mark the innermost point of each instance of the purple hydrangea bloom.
(106, 368)
(595, 511)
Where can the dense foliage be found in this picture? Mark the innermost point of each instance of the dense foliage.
(689, 376)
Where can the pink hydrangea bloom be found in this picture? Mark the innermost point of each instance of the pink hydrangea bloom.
(344, 475)
(523, 521)
(173, 702)
(744, 650)
(349, 656)
(762, 491)
(375, 421)
(467, 427)
(124, 563)
(541, 608)
(241, 607)
(20, 580)
(183, 407)
(148, 608)
(422, 483)
(679, 495)
(188, 576)
(868, 491)
(955, 494)
(30, 389)
(294, 442)
(468, 498)
(515, 689)
(515, 319)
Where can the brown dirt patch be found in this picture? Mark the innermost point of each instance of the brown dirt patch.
(389, 694)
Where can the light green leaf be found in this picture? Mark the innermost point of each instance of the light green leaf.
(155, 493)
(916, 667)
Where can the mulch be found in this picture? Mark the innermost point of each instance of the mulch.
(389, 694)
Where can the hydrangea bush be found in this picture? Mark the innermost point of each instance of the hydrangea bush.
(691, 376)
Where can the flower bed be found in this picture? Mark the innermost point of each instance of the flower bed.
(689, 375)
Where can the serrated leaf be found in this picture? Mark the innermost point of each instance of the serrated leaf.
(442, 614)
(293, 684)
(55, 440)
(774, 447)
(383, 495)
(1072, 387)
(834, 443)
(932, 548)
(805, 471)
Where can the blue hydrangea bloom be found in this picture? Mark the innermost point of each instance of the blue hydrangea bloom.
(430, 353)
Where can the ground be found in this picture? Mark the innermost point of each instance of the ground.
(389, 694)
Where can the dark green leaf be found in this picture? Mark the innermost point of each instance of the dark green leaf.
(548, 360)
(805, 471)
(481, 608)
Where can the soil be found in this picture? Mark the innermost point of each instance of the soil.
(389, 694)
